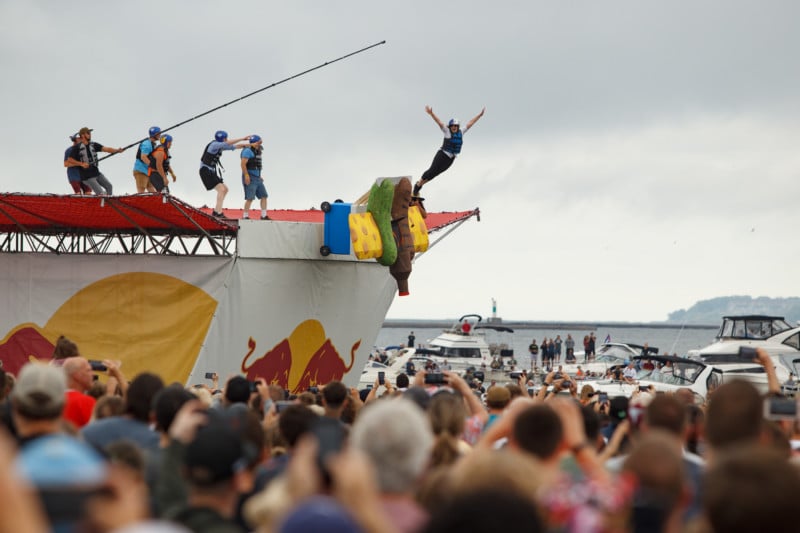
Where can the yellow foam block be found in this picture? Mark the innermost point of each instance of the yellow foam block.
(365, 236)
(419, 231)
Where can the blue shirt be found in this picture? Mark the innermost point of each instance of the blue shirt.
(73, 174)
(248, 153)
(216, 147)
(147, 148)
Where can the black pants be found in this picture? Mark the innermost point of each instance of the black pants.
(157, 181)
(441, 162)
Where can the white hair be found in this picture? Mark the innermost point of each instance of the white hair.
(397, 437)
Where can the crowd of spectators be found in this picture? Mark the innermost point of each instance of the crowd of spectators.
(131, 453)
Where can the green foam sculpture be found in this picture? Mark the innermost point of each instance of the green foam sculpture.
(380, 205)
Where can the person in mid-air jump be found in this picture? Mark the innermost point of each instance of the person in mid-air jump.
(451, 147)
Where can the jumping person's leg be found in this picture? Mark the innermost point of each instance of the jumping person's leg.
(440, 163)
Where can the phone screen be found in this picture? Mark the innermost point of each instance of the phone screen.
(381, 378)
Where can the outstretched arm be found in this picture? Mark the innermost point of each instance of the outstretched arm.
(475, 119)
(429, 111)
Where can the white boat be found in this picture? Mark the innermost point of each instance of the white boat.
(608, 355)
(772, 333)
(464, 345)
(458, 348)
(666, 373)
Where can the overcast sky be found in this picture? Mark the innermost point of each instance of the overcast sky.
(635, 156)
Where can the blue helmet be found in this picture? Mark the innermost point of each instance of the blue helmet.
(221, 135)
(166, 138)
(453, 122)
(154, 131)
(254, 139)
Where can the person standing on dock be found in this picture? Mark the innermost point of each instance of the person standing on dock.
(84, 156)
(251, 177)
(210, 166)
(558, 348)
(533, 349)
(569, 346)
(451, 147)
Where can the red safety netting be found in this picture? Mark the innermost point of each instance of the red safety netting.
(150, 212)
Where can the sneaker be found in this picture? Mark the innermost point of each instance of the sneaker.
(265, 217)
(215, 214)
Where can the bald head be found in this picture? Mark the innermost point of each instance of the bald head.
(79, 373)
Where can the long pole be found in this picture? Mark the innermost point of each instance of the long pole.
(248, 95)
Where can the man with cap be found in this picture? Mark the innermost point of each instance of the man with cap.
(451, 147)
(73, 174)
(64, 470)
(251, 177)
(210, 165)
(142, 164)
(84, 156)
(213, 460)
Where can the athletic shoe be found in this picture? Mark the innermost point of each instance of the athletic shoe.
(218, 215)
(265, 217)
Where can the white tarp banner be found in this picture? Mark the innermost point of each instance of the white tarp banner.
(295, 322)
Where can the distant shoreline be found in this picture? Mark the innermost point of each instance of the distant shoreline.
(531, 324)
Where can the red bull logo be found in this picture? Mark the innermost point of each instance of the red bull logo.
(305, 359)
(134, 317)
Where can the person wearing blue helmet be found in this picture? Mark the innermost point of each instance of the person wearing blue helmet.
(141, 167)
(251, 177)
(210, 166)
(160, 165)
(451, 147)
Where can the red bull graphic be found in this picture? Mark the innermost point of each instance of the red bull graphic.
(305, 359)
(148, 321)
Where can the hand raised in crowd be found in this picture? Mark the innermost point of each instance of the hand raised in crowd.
(456, 382)
(187, 421)
(303, 478)
(262, 389)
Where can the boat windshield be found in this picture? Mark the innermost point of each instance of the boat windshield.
(751, 327)
(461, 352)
(682, 374)
(615, 350)
(611, 359)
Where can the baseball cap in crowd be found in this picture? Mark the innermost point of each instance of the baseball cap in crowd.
(85, 130)
(39, 391)
(74, 137)
(498, 396)
(65, 472)
(215, 455)
(320, 513)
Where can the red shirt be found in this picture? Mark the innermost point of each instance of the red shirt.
(78, 408)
